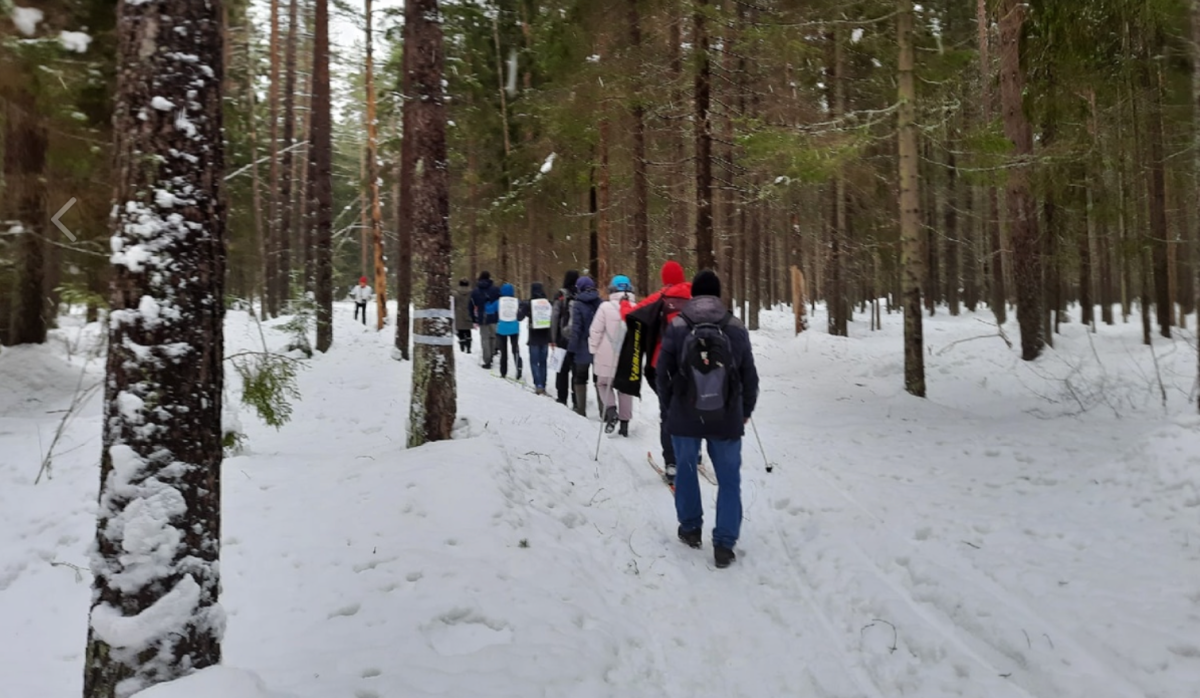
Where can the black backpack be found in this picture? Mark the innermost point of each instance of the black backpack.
(708, 377)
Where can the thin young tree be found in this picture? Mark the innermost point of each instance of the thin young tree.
(274, 229)
(321, 152)
(434, 403)
(990, 210)
(910, 205)
(155, 615)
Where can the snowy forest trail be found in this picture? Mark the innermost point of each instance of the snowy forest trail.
(988, 541)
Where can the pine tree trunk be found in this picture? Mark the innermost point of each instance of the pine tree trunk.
(322, 182)
(755, 244)
(603, 201)
(1195, 12)
(953, 245)
(991, 240)
(404, 208)
(705, 252)
(25, 142)
(433, 408)
(1022, 217)
(1158, 195)
(373, 176)
(256, 186)
(677, 185)
(641, 184)
(910, 205)
(969, 247)
(274, 301)
(836, 301)
(1086, 243)
(289, 139)
(160, 465)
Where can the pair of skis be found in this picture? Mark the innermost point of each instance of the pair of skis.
(703, 470)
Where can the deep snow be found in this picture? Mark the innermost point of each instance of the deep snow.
(1029, 530)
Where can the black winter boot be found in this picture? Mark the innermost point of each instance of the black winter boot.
(692, 538)
(669, 469)
(723, 556)
(581, 400)
(624, 430)
(610, 420)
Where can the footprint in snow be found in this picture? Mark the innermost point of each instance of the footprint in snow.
(346, 611)
(371, 672)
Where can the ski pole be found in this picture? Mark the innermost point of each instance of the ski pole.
(766, 463)
(599, 435)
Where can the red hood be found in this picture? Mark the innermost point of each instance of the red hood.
(679, 290)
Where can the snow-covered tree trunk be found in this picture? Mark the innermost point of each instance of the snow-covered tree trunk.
(433, 408)
(154, 613)
(910, 206)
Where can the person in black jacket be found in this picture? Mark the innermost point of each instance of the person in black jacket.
(560, 320)
(679, 402)
(485, 311)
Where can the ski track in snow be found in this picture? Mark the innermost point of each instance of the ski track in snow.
(990, 541)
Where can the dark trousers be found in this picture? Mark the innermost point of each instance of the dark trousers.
(513, 340)
(464, 341)
(563, 380)
(668, 447)
(361, 307)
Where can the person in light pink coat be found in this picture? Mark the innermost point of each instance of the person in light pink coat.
(604, 341)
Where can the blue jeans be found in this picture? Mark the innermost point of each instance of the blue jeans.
(726, 457)
(538, 355)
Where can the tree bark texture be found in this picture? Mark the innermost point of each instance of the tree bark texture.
(1022, 216)
(373, 179)
(434, 402)
(284, 264)
(702, 92)
(404, 207)
(274, 231)
(25, 142)
(910, 206)
(322, 182)
(641, 185)
(158, 525)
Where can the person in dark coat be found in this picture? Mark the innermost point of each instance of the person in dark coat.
(724, 436)
(560, 320)
(462, 315)
(540, 330)
(485, 313)
(583, 311)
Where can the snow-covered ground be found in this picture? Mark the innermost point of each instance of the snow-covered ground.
(1028, 530)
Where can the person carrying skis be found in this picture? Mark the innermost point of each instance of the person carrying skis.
(707, 390)
(654, 314)
(539, 311)
(607, 335)
(362, 294)
(485, 306)
(462, 315)
(560, 322)
(583, 310)
(508, 328)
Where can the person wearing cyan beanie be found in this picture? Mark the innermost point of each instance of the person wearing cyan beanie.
(703, 406)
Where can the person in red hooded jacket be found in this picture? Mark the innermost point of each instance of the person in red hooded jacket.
(675, 294)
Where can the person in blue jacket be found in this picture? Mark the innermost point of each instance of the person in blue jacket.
(485, 306)
(583, 310)
(508, 328)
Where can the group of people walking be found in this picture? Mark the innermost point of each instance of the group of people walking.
(682, 341)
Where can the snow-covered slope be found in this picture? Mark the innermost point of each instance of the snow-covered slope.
(1026, 531)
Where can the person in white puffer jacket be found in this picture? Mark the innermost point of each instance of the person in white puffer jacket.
(604, 341)
(362, 294)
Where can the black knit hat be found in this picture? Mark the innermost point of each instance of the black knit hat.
(706, 283)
